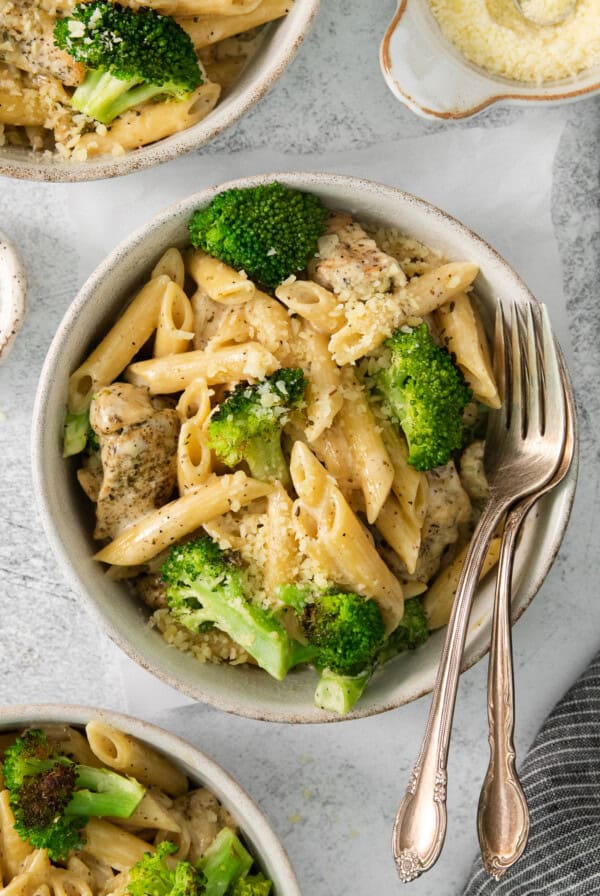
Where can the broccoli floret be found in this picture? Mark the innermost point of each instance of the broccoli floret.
(153, 876)
(347, 630)
(78, 435)
(339, 693)
(410, 633)
(130, 56)
(206, 584)
(52, 797)
(224, 863)
(269, 231)
(255, 885)
(425, 392)
(247, 425)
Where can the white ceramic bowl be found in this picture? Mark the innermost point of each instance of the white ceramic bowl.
(67, 516)
(430, 76)
(200, 769)
(278, 47)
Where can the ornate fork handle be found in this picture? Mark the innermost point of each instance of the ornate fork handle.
(420, 825)
(503, 817)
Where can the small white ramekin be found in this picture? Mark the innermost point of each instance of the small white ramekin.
(430, 76)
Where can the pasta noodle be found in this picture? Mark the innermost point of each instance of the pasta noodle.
(208, 29)
(175, 320)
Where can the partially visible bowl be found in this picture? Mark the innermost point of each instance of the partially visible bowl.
(279, 45)
(430, 76)
(66, 516)
(203, 771)
(13, 293)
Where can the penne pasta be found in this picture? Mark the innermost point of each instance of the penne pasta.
(156, 531)
(439, 598)
(209, 29)
(130, 756)
(220, 282)
(314, 303)
(174, 331)
(171, 265)
(113, 845)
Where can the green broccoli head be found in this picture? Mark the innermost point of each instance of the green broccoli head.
(255, 885)
(269, 231)
(247, 425)
(154, 875)
(52, 797)
(410, 633)
(130, 56)
(41, 786)
(425, 392)
(347, 630)
(205, 585)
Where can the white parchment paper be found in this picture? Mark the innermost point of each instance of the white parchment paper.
(498, 182)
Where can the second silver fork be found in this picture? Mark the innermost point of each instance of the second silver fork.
(524, 444)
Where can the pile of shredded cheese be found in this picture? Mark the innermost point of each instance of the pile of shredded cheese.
(496, 36)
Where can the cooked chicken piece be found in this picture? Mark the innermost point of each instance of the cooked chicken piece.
(152, 589)
(138, 446)
(472, 473)
(120, 405)
(348, 259)
(448, 508)
(90, 476)
(27, 41)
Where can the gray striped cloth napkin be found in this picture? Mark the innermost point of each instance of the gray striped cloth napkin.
(561, 780)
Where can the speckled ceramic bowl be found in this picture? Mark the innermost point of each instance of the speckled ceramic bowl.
(67, 514)
(430, 76)
(278, 47)
(13, 291)
(203, 771)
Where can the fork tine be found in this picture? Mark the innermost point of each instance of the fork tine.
(500, 367)
(535, 378)
(554, 396)
(517, 412)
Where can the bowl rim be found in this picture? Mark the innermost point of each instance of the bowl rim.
(213, 775)
(13, 294)
(508, 96)
(299, 180)
(194, 137)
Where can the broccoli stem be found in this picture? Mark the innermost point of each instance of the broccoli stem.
(101, 792)
(266, 461)
(77, 427)
(224, 862)
(251, 627)
(103, 96)
(339, 693)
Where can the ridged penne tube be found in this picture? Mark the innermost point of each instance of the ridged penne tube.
(194, 457)
(324, 394)
(400, 532)
(462, 333)
(72, 743)
(353, 559)
(194, 402)
(151, 813)
(314, 303)
(282, 549)
(130, 756)
(424, 294)
(111, 844)
(123, 341)
(410, 489)
(13, 850)
(205, 30)
(439, 599)
(220, 282)
(149, 123)
(172, 522)
(27, 877)
(171, 264)
(175, 329)
(369, 457)
(248, 360)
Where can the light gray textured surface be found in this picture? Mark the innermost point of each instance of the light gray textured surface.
(331, 791)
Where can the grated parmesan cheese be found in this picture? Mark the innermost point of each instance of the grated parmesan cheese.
(496, 36)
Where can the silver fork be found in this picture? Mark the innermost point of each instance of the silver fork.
(524, 444)
(503, 816)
